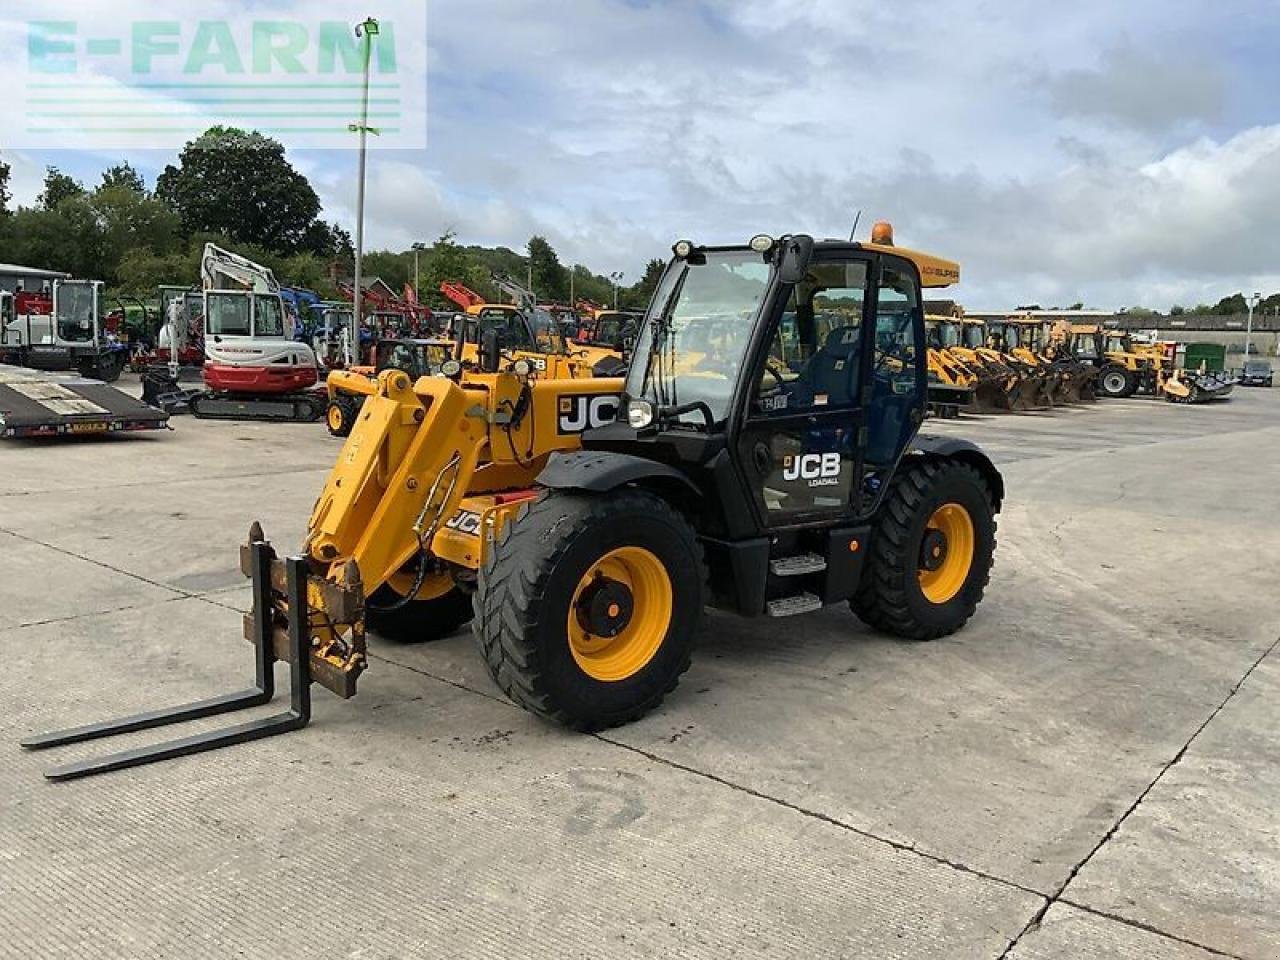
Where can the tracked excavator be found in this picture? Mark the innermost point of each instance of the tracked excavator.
(761, 455)
(253, 369)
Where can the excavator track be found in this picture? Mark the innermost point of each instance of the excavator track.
(286, 408)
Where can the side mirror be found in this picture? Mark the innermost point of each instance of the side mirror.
(793, 258)
(490, 351)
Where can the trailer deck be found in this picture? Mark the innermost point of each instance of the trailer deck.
(36, 403)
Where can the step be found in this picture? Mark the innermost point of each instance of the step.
(790, 606)
(798, 565)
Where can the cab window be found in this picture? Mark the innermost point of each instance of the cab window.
(814, 360)
(228, 314)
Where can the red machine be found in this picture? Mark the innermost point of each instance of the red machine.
(463, 296)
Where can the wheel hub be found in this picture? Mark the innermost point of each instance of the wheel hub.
(604, 607)
(933, 550)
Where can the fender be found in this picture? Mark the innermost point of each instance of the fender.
(964, 450)
(599, 471)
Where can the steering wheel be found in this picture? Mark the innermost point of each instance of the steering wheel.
(775, 370)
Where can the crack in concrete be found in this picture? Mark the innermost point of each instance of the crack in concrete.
(1057, 896)
(97, 563)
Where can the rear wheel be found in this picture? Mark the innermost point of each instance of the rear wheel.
(340, 416)
(931, 552)
(1116, 381)
(588, 605)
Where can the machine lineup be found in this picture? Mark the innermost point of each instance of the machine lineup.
(580, 494)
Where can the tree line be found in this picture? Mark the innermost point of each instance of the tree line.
(238, 189)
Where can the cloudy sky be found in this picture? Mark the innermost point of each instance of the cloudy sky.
(1115, 153)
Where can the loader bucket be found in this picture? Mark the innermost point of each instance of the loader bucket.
(988, 397)
(297, 619)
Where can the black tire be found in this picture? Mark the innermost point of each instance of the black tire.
(1117, 382)
(890, 596)
(340, 416)
(420, 621)
(527, 586)
(110, 366)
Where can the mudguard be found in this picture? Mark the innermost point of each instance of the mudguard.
(600, 471)
(960, 449)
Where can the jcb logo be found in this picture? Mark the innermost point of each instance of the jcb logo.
(464, 521)
(819, 469)
(585, 412)
(538, 363)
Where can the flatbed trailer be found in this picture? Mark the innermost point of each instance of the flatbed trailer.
(36, 403)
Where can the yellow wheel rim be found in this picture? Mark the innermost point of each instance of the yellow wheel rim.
(627, 575)
(335, 417)
(946, 555)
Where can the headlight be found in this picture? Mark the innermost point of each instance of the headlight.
(682, 249)
(451, 369)
(762, 243)
(639, 414)
(522, 368)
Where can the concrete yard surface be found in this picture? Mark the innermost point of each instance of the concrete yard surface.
(1087, 770)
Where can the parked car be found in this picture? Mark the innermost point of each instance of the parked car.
(1256, 373)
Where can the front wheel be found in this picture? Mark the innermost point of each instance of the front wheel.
(340, 416)
(587, 606)
(931, 551)
(418, 621)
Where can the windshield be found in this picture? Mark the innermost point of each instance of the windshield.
(1003, 337)
(547, 334)
(415, 359)
(943, 334)
(269, 319)
(227, 314)
(75, 311)
(697, 332)
(335, 320)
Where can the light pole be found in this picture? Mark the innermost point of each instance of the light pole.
(417, 276)
(616, 278)
(1248, 333)
(366, 31)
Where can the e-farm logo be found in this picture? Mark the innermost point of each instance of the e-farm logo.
(134, 75)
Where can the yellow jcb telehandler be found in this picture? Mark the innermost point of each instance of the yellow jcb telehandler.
(583, 525)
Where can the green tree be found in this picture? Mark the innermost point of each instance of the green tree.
(1233, 304)
(1177, 310)
(5, 195)
(550, 279)
(58, 187)
(241, 185)
(444, 261)
(639, 295)
(69, 238)
(123, 177)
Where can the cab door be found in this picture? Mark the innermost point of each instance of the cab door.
(799, 448)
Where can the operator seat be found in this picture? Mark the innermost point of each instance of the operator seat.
(833, 370)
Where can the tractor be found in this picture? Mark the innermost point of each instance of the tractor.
(761, 455)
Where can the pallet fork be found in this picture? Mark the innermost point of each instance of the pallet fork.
(281, 627)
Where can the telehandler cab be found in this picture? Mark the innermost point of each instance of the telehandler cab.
(760, 456)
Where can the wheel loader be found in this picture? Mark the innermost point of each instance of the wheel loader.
(957, 358)
(760, 456)
(1026, 339)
